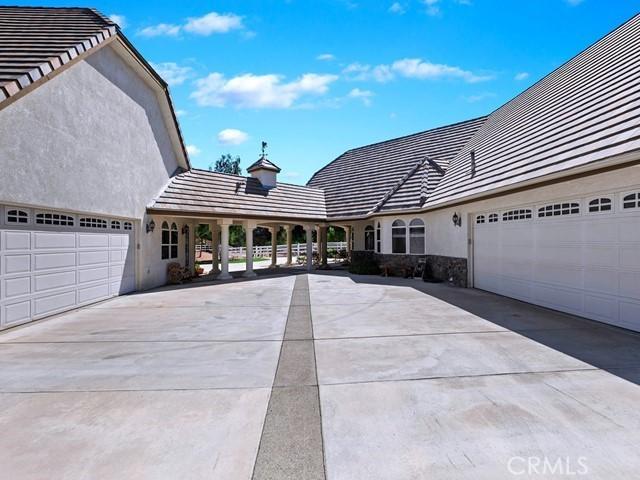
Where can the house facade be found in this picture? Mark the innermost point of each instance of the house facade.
(540, 200)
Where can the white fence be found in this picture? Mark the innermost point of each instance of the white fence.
(265, 250)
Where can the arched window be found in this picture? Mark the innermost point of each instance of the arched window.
(17, 216)
(631, 200)
(378, 239)
(600, 205)
(493, 218)
(174, 240)
(115, 224)
(398, 237)
(166, 240)
(416, 237)
(128, 226)
(369, 239)
(480, 219)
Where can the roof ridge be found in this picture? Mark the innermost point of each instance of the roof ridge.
(397, 186)
(245, 177)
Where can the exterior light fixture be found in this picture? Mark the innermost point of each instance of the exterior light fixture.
(456, 219)
(185, 230)
(151, 226)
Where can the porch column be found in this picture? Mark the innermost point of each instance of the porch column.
(318, 240)
(274, 245)
(323, 246)
(224, 251)
(215, 247)
(347, 233)
(308, 229)
(192, 247)
(249, 227)
(287, 229)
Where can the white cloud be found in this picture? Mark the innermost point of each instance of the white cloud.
(364, 95)
(206, 25)
(418, 68)
(162, 29)
(521, 76)
(326, 57)
(121, 20)
(192, 150)
(258, 91)
(360, 72)
(232, 136)
(409, 68)
(432, 7)
(173, 73)
(397, 8)
(214, 23)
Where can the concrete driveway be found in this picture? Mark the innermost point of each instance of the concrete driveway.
(318, 376)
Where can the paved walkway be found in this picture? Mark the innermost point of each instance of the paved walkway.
(318, 376)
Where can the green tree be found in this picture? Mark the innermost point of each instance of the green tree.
(227, 164)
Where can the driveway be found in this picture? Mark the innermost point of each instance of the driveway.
(318, 376)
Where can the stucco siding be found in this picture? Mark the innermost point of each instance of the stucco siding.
(92, 139)
(443, 238)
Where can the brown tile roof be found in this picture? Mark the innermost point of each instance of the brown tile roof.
(35, 41)
(582, 113)
(263, 163)
(212, 193)
(385, 175)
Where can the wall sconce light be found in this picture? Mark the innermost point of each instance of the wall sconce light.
(456, 219)
(151, 226)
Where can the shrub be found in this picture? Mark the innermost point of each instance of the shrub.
(364, 263)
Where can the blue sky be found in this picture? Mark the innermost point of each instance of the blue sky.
(314, 78)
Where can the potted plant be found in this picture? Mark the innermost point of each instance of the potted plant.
(198, 269)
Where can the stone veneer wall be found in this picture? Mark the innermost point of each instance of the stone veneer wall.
(447, 269)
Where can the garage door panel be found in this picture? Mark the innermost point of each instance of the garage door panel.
(53, 303)
(586, 264)
(53, 241)
(601, 308)
(50, 281)
(16, 287)
(602, 280)
(563, 275)
(17, 264)
(47, 261)
(52, 268)
(17, 312)
(88, 275)
(93, 257)
(17, 241)
(630, 257)
(93, 293)
(601, 256)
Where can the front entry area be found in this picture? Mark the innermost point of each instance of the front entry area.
(578, 256)
(55, 261)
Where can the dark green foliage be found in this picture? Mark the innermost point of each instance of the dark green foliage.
(364, 263)
(227, 164)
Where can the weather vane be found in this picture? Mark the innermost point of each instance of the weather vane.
(264, 147)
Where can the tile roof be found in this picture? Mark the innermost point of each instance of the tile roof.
(204, 192)
(34, 41)
(583, 112)
(263, 163)
(385, 175)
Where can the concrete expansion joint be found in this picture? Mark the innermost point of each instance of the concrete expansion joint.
(291, 445)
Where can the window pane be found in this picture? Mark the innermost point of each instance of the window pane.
(174, 251)
(417, 244)
(165, 252)
(368, 240)
(174, 237)
(398, 245)
(165, 237)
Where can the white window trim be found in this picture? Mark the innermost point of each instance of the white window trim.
(9, 208)
(68, 218)
(553, 203)
(637, 201)
(607, 196)
(423, 226)
(402, 227)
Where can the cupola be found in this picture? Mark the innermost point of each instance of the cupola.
(264, 170)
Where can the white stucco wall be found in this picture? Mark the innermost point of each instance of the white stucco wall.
(92, 139)
(443, 238)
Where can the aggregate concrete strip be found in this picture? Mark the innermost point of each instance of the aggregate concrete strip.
(291, 446)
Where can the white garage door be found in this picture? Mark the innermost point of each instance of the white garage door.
(55, 261)
(580, 256)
